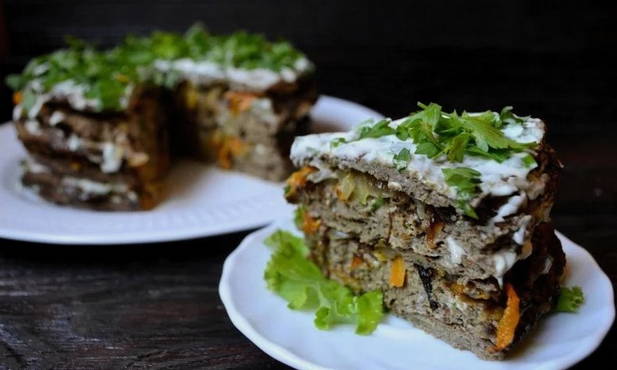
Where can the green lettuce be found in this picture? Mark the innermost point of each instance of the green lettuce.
(570, 299)
(301, 283)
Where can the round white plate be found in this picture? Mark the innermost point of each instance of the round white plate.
(202, 200)
(289, 336)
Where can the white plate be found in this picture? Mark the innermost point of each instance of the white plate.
(202, 200)
(289, 336)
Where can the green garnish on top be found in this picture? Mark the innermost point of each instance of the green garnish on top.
(106, 75)
(570, 299)
(300, 282)
(436, 132)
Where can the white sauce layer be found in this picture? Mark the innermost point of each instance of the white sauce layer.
(509, 208)
(456, 251)
(207, 72)
(89, 187)
(56, 117)
(503, 261)
(112, 158)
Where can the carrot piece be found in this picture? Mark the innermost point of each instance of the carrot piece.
(298, 179)
(228, 148)
(397, 272)
(356, 261)
(509, 321)
(310, 225)
(223, 156)
(237, 146)
(17, 97)
(239, 101)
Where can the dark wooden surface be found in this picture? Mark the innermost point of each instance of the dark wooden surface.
(157, 306)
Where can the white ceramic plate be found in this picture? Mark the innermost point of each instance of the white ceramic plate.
(202, 201)
(290, 337)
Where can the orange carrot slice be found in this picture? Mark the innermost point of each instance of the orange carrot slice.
(298, 179)
(397, 272)
(509, 321)
(17, 97)
(239, 101)
(356, 262)
(310, 225)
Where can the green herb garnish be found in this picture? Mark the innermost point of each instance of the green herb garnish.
(377, 203)
(401, 160)
(338, 141)
(529, 161)
(570, 299)
(466, 181)
(107, 76)
(299, 216)
(300, 282)
(435, 132)
(375, 130)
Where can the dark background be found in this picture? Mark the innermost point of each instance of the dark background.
(133, 307)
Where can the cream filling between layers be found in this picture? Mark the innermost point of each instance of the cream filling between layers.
(86, 186)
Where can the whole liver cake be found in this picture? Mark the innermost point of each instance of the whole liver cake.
(101, 127)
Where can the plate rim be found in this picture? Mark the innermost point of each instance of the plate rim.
(137, 237)
(292, 359)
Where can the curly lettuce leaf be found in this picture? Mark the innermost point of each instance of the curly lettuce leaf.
(570, 299)
(300, 282)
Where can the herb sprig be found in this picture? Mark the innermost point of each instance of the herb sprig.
(466, 181)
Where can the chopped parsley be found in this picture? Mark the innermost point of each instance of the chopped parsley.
(529, 161)
(377, 203)
(436, 132)
(401, 160)
(466, 181)
(370, 129)
(570, 299)
(106, 76)
(338, 141)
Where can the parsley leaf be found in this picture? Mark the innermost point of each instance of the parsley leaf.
(529, 161)
(497, 155)
(301, 283)
(338, 141)
(507, 117)
(466, 181)
(570, 299)
(401, 160)
(486, 134)
(455, 148)
(377, 203)
(435, 132)
(379, 129)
